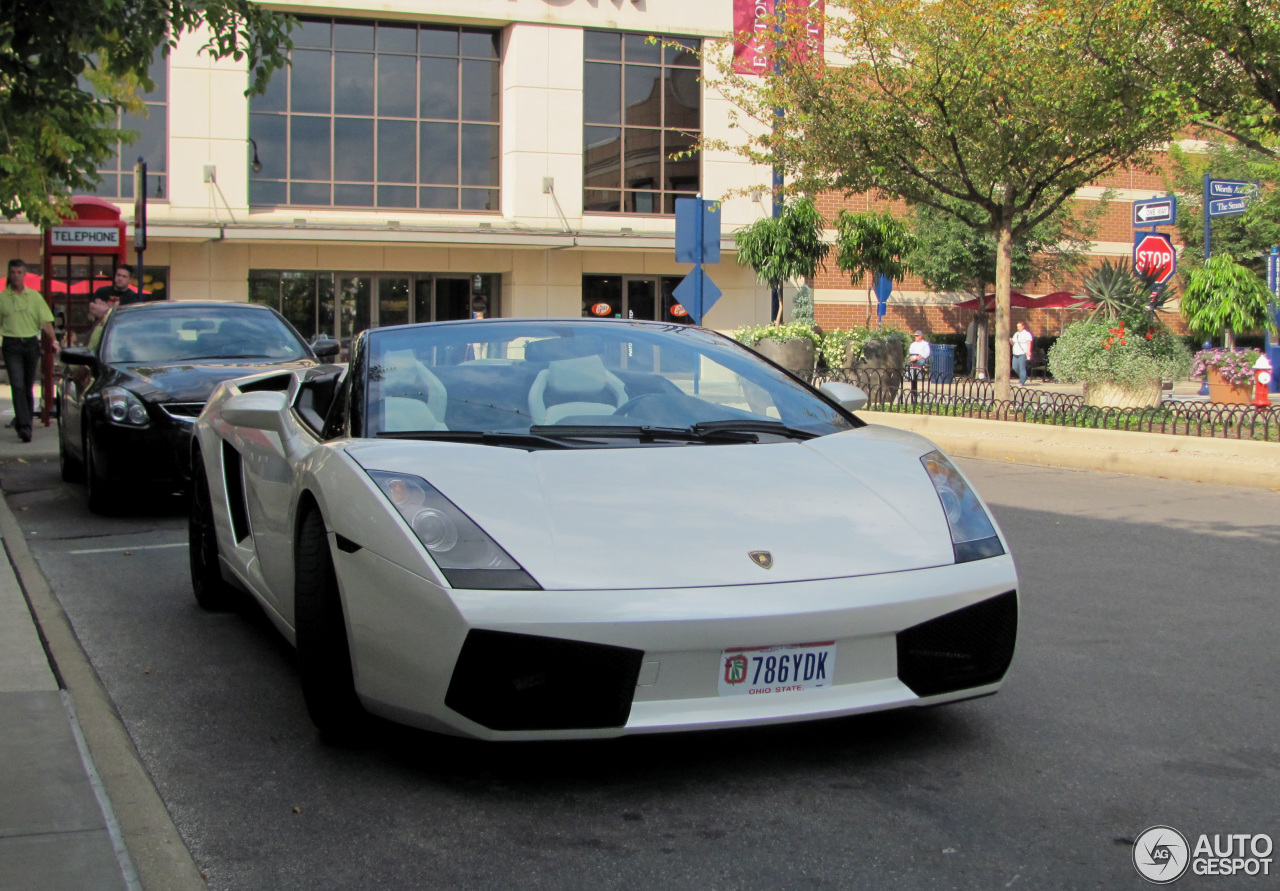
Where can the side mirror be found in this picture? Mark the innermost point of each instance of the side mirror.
(256, 411)
(78, 356)
(847, 396)
(326, 349)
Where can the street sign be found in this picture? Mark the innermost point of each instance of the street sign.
(1227, 207)
(1230, 188)
(697, 230)
(1155, 212)
(1153, 254)
(1273, 271)
(697, 294)
(883, 288)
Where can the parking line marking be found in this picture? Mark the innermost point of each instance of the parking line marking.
(181, 544)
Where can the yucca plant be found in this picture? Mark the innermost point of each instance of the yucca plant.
(1116, 291)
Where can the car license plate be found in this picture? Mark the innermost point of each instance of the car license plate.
(760, 671)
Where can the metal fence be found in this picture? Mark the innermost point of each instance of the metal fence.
(902, 391)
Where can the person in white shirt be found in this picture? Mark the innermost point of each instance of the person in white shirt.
(1022, 342)
(917, 355)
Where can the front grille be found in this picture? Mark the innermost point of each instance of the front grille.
(966, 648)
(183, 411)
(507, 681)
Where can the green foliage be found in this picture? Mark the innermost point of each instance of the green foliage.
(750, 335)
(68, 68)
(951, 255)
(1249, 236)
(788, 247)
(1129, 352)
(835, 344)
(802, 306)
(1119, 293)
(873, 243)
(1223, 296)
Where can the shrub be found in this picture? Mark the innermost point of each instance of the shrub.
(1129, 352)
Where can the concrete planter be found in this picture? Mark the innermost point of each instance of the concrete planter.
(1109, 395)
(879, 372)
(1222, 391)
(797, 356)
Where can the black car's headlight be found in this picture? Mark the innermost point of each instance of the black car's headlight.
(973, 537)
(465, 553)
(125, 408)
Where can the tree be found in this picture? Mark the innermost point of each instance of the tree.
(1223, 297)
(68, 68)
(872, 244)
(993, 113)
(1249, 236)
(787, 247)
(1224, 57)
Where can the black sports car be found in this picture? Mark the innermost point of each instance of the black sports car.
(127, 403)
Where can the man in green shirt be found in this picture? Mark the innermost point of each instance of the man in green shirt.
(23, 315)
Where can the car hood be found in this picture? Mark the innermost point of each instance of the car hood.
(192, 381)
(848, 504)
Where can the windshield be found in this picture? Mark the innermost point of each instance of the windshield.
(590, 382)
(201, 332)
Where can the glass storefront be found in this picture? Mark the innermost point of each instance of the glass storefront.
(342, 304)
(651, 298)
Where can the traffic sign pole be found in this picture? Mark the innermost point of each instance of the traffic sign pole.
(1204, 207)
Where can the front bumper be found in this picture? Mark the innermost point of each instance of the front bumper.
(408, 635)
(155, 454)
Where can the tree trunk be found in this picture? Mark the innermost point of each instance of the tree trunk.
(1228, 339)
(1004, 278)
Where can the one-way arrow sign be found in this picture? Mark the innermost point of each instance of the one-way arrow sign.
(1155, 212)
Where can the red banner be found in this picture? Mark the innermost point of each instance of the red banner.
(752, 34)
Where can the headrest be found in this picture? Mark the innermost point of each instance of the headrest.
(554, 348)
(577, 377)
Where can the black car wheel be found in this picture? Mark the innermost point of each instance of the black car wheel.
(324, 654)
(103, 494)
(211, 590)
(72, 468)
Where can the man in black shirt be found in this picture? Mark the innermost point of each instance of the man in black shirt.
(119, 290)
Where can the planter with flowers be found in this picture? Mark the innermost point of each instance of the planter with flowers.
(1121, 361)
(1229, 373)
(794, 345)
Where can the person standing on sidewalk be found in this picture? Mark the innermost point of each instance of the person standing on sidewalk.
(23, 316)
(1022, 344)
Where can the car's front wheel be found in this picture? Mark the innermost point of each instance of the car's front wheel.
(211, 590)
(324, 654)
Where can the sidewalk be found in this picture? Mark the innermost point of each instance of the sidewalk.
(74, 787)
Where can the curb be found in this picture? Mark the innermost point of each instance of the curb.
(1225, 462)
(159, 855)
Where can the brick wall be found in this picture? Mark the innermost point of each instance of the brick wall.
(944, 319)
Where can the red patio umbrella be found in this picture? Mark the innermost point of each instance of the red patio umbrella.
(1015, 299)
(1062, 299)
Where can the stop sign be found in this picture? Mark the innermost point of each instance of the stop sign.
(1153, 254)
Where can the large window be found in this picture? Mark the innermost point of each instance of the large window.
(152, 129)
(342, 304)
(641, 105)
(380, 114)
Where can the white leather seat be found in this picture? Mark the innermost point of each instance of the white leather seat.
(402, 413)
(407, 383)
(582, 383)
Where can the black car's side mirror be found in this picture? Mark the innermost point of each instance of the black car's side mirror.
(78, 356)
(326, 349)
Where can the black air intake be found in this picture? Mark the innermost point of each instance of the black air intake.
(508, 681)
(970, 647)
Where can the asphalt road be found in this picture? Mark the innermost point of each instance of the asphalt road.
(1143, 692)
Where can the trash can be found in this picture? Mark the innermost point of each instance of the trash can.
(942, 363)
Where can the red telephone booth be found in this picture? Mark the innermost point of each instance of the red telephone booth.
(80, 255)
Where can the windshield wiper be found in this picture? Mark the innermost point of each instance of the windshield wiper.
(644, 432)
(510, 439)
(751, 425)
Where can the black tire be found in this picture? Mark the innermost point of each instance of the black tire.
(211, 590)
(324, 654)
(72, 469)
(103, 494)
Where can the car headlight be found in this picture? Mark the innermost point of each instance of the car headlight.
(973, 537)
(465, 553)
(125, 408)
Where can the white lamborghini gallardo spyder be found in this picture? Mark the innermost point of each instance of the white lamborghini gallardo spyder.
(520, 529)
